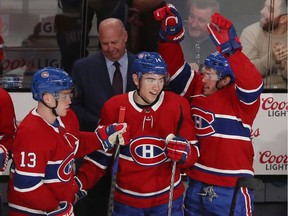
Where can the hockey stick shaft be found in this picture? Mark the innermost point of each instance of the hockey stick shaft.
(171, 188)
(179, 125)
(1, 205)
(121, 117)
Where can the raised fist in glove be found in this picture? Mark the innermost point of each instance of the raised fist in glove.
(64, 209)
(177, 148)
(110, 135)
(4, 156)
(171, 23)
(223, 34)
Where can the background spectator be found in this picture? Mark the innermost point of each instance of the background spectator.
(197, 44)
(265, 43)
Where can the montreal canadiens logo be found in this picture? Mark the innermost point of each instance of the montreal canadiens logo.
(203, 122)
(65, 168)
(148, 151)
(141, 56)
(45, 74)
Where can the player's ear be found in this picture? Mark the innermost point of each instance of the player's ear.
(45, 97)
(223, 82)
(136, 80)
(226, 80)
(48, 98)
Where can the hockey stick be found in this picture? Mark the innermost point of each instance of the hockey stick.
(1, 205)
(179, 124)
(171, 188)
(121, 117)
(252, 183)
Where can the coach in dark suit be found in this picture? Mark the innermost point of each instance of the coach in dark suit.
(93, 78)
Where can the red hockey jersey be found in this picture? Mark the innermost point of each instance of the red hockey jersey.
(7, 120)
(43, 156)
(222, 120)
(144, 171)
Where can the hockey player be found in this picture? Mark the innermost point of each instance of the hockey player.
(161, 131)
(7, 127)
(7, 131)
(47, 141)
(225, 98)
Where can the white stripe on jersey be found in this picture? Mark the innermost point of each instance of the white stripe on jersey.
(243, 171)
(133, 193)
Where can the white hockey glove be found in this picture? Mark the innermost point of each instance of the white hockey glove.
(113, 134)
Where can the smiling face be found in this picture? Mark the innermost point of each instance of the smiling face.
(209, 79)
(149, 87)
(200, 12)
(113, 38)
(197, 22)
(211, 82)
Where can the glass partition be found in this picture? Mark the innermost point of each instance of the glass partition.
(39, 33)
(261, 26)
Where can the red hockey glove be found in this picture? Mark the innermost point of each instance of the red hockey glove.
(178, 148)
(113, 134)
(223, 34)
(4, 156)
(171, 23)
(81, 192)
(64, 209)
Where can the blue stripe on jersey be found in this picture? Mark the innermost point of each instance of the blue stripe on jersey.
(221, 172)
(125, 150)
(26, 182)
(51, 171)
(101, 158)
(178, 84)
(220, 124)
(148, 195)
(249, 96)
(230, 127)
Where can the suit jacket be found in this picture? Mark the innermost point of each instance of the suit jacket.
(91, 78)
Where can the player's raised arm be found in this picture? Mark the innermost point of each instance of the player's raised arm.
(171, 34)
(249, 84)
